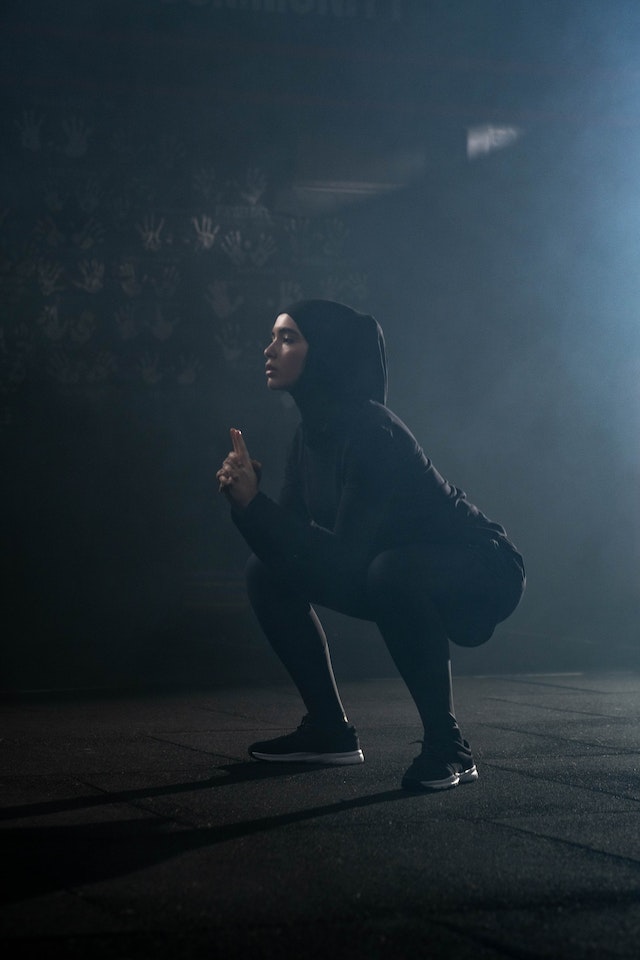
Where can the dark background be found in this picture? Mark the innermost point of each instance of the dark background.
(175, 172)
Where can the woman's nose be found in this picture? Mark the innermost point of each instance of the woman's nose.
(269, 351)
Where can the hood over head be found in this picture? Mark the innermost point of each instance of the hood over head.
(346, 362)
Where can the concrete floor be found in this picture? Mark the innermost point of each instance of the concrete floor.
(135, 826)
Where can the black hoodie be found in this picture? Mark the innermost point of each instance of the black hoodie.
(356, 482)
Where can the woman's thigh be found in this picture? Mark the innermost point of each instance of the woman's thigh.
(473, 587)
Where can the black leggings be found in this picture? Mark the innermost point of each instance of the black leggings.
(419, 596)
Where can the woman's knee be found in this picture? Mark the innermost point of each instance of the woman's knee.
(389, 574)
(264, 585)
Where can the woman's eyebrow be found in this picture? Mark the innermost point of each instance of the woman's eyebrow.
(275, 332)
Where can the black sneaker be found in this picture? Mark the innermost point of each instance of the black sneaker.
(441, 769)
(338, 746)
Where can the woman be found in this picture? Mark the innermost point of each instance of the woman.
(368, 527)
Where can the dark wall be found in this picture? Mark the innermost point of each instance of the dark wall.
(175, 172)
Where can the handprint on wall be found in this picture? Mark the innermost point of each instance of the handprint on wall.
(103, 366)
(47, 231)
(89, 195)
(161, 326)
(205, 183)
(205, 232)
(262, 250)
(302, 241)
(235, 247)
(128, 278)
(126, 322)
(29, 127)
(289, 291)
(83, 327)
(51, 323)
(48, 276)
(254, 186)
(151, 233)
(91, 276)
(229, 338)
(149, 368)
(77, 135)
(218, 297)
(167, 283)
(187, 370)
(89, 234)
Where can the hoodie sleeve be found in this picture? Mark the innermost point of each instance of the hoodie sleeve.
(283, 536)
(391, 494)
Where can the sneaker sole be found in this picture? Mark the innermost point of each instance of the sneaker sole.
(331, 759)
(468, 776)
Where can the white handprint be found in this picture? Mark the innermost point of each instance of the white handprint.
(254, 186)
(129, 279)
(263, 249)
(91, 276)
(205, 232)
(151, 233)
(167, 284)
(234, 247)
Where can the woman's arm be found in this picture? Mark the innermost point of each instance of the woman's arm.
(306, 553)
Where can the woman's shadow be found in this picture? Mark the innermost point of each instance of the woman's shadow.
(43, 859)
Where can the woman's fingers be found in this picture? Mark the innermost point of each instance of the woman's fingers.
(239, 446)
(239, 475)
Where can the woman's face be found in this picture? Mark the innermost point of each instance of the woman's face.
(286, 354)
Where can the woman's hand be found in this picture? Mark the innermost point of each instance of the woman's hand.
(239, 475)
